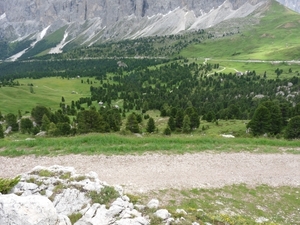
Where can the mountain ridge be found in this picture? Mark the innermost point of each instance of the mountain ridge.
(87, 22)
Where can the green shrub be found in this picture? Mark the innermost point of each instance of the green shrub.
(106, 196)
(75, 217)
(45, 173)
(133, 198)
(65, 176)
(167, 131)
(6, 184)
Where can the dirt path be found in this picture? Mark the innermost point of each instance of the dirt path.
(155, 171)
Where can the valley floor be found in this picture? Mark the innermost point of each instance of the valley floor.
(143, 173)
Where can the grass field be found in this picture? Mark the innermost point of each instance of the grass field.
(274, 38)
(260, 68)
(46, 91)
(17, 145)
(237, 204)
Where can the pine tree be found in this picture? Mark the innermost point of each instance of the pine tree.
(194, 117)
(210, 116)
(179, 118)
(171, 123)
(293, 128)
(186, 127)
(150, 125)
(261, 121)
(132, 123)
(53, 131)
(276, 116)
(26, 125)
(91, 121)
(167, 131)
(64, 128)
(1, 132)
(45, 123)
(11, 121)
(38, 112)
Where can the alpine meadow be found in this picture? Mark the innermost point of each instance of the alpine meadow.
(164, 80)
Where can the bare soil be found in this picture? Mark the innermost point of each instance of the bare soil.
(143, 173)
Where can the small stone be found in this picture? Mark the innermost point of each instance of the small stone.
(181, 211)
(139, 207)
(162, 214)
(153, 204)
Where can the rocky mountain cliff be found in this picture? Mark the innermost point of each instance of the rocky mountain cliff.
(86, 22)
(292, 4)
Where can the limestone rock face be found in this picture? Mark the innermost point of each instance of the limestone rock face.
(293, 4)
(29, 210)
(94, 21)
(49, 195)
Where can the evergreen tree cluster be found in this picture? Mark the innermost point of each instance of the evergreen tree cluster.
(269, 119)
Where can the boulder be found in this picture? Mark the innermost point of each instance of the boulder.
(162, 214)
(95, 215)
(69, 201)
(25, 188)
(181, 211)
(153, 204)
(8, 130)
(135, 221)
(29, 210)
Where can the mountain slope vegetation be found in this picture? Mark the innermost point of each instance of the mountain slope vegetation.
(275, 37)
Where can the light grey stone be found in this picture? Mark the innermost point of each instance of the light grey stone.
(95, 215)
(162, 214)
(153, 204)
(29, 210)
(71, 200)
(74, 199)
(182, 211)
(114, 210)
(49, 193)
(23, 186)
(130, 213)
(139, 207)
(135, 221)
(170, 221)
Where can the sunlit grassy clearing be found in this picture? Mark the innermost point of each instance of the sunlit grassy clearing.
(46, 91)
(259, 67)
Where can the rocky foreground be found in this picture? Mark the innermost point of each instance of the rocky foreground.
(56, 195)
(60, 196)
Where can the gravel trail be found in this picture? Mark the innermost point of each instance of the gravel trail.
(158, 171)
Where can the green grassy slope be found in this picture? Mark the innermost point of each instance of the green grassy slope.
(46, 91)
(43, 46)
(117, 144)
(276, 37)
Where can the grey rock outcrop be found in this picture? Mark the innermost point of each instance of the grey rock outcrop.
(50, 195)
(293, 4)
(29, 210)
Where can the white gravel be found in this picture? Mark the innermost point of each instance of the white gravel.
(158, 171)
